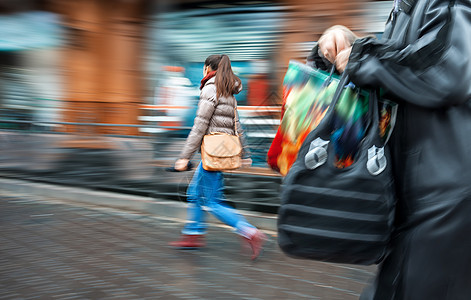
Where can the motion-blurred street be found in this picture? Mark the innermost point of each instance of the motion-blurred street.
(95, 224)
(52, 249)
(96, 100)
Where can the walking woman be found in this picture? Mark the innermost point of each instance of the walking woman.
(215, 113)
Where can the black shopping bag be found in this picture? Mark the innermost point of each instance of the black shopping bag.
(335, 213)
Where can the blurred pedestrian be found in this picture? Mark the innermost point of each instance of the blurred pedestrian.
(423, 62)
(215, 113)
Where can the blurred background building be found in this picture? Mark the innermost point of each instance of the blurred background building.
(138, 62)
(101, 93)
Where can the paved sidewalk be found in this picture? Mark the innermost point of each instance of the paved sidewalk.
(148, 205)
(55, 249)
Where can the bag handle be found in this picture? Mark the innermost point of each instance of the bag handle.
(373, 110)
(338, 92)
(325, 123)
(317, 153)
(235, 114)
(375, 154)
(372, 101)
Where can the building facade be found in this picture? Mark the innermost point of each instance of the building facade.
(113, 53)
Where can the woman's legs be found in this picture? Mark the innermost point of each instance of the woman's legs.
(195, 224)
(206, 189)
(195, 227)
(212, 184)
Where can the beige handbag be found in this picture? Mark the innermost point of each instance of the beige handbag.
(221, 151)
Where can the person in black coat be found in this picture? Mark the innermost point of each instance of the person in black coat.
(423, 62)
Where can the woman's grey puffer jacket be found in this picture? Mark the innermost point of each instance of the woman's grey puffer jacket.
(213, 115)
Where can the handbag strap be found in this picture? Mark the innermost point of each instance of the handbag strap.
(329, 115)
(327, 122)
(235, 120)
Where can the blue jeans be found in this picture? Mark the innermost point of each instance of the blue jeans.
(206, 189)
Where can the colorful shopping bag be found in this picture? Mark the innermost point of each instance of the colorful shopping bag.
(307, 93)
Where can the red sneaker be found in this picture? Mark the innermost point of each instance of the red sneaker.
(188, 242)
(256, 243)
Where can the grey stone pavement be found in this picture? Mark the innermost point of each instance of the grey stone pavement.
(57, 249)
(95, 224)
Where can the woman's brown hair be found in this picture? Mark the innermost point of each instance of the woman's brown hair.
(226, 81)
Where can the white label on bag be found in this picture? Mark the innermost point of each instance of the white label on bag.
(317, 154)
(376, 160)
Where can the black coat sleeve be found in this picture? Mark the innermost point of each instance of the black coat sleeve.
(433, 71)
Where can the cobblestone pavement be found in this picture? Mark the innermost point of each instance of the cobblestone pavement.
(54, 250)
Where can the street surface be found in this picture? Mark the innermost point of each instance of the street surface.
(51, 249)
